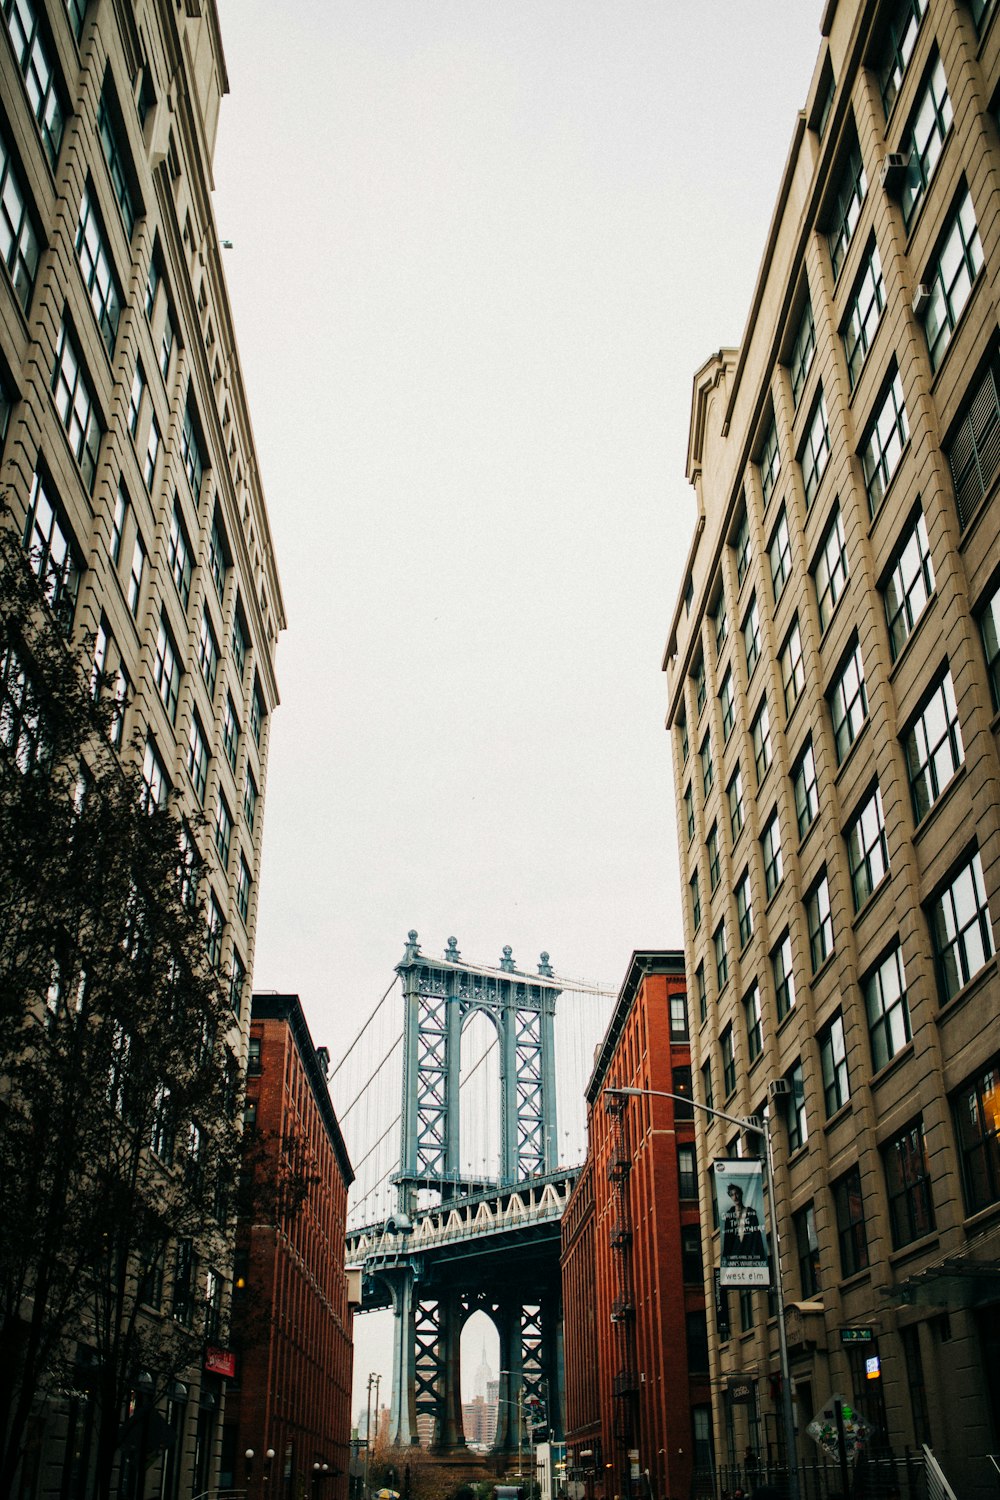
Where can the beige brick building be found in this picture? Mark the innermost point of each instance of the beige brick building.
(128, 457)
(834, 681)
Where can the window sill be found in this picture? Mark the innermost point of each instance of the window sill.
(958, 1000)
(856, 1279)
(943, 797)
(913, 1248)
(870, 900)
(772, 898)
(896, 1061)
(905, 648)
(818, 974)
(785, 1019)
(836, 608)
(981, 1218)
(858, 739)
(799, 1154)
(877, 515)
(841, 1115)
(804, 838)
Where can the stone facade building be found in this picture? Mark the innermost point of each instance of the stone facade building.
(636, 1356)
(834, 683)
(129, 465)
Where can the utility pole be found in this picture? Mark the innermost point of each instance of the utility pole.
(373, 1379)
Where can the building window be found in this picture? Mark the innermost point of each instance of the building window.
(989, 625)
(691, 1266)
(695, 888)
(152, 284)
(807, 1249)
(897, 48)
(96, 265)
(713, 856)
(237, 979)
(191, 452)
(958, 264)
(208, 653)
(230, 732)
(689, 811)
(852, 1235)
(751, 635)
(216, 926)
(687, 1175)
(167, 339)
(815, 453)
(795, 1110)
(761, 732)
(793, 672)
(908, 1184)
(243, 889)
(699, 687)
(909, 1338)
(22, 731)
(783, 975)
(867, 850)
(152, 452)
(933, 745)
(52, 553)
(218, 554)
(848, 702)
(678, 1018)
(806, 789)
(909, 585)
(684, 741)
(981, 10)
(741, 546)
(701, 992)
(886, 1007)
(883, 448)
(135, 398)
(734, 791)
(820, 922)
(707, 766)
(961, 928)
(977, 1126)
(864, 312)
(851, 188)
(721, 620)
(680, 1083)
(831, 571)
(744, 908)
(780, 554)
(707, 1097)
(728, 705)
(116, 156)
(31, 54)
(223, 830)
(974, 452)
(721, 956)
(833, 1058)
(728, 1062)
(770, 468)
(253, 1057)
(154, 778)
(250, 800)
(74, 401)
(754, 1020)
(167, 670)
(770, 845)
(135, 576)
(197, 757)
(925, 139)
(118, 526)
(802, 351)
(18, 238)
(179, 556)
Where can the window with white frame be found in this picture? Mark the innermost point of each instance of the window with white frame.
(864, 312)
(867, 849)
(958, 263)
(961, 928)
(831, 570)
(770, 845)
(815, 453)
(833, 1060)
(909, 585)
(886, 1007)
(780, 555)
(925, 139)
(883, 448)
(793, 672)
(848, 699)
(933, 746)
(805, 788)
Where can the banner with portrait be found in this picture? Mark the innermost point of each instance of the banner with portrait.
(739, 1197)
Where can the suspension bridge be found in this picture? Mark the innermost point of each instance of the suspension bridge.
(466, 1139)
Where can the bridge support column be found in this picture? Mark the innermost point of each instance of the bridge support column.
(508, 1321)
(451, 1437)
(403, 1411)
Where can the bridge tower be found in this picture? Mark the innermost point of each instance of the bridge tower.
(432, 1297)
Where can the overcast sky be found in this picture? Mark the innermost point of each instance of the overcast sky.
(480, 248)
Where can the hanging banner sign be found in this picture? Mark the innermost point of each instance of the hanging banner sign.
(739, 1196)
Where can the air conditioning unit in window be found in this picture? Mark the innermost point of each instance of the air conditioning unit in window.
(778, 1088)
(894, 171)
(921, 297)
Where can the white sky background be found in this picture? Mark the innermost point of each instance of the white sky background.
(480, 248)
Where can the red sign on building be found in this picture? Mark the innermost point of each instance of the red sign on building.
(220, 1362)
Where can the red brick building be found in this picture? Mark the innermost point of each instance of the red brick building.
(292, 1398)
(638, 1406)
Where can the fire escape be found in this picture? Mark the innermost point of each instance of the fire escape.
(625, 1380)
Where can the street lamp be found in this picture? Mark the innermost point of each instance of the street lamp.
(754, 1127)
(520, 1404)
